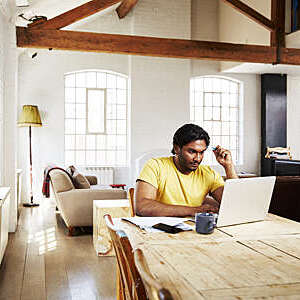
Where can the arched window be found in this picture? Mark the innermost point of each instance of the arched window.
(96, 123)
(216, 105)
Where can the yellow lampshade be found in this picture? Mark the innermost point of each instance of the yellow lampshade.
(30, 116)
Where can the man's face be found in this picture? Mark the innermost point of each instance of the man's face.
(191, 155)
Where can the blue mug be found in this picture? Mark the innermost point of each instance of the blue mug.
(205, 222)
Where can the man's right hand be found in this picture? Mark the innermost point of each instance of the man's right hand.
(206, 208)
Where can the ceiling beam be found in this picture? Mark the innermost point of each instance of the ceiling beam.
(251, 13)
(125, 7)
(75, 14)
(289, 56)
(141, 45)
(278, 17)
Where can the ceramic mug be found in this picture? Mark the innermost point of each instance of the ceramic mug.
(205, 222)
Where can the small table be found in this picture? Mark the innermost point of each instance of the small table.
(117, 208)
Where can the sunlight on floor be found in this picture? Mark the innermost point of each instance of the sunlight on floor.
(45, 238)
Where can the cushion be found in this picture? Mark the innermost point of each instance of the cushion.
(80, 181)
(60, 181)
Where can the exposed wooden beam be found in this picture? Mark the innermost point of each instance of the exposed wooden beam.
(125, 7)
(140, 45)
(251, 13)
(75, 14)
(278, 17)
(289, 56)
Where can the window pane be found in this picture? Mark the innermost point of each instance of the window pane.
(233, 128)
(216, 99)
(233, 142)
(225, 100)
(111, 96)
(111, 111)
(69, 126)
(101, 158)
(225, 85)
(101, 142)
(121, 127)
(111, 142)
(217, 85)
(199, 99)
(233, 87)
(121, 112)
(208, 99)
(111, 81)
(225, 142)
(225, 128)
(91, 158)
(225, 114)
(233, 114)
(80, 158)
(199, 113)
(199, 84)
(91, 79)
(70, 80)
(121, 96)
(111, 157)
(70, 111)
(216, 128)
(80, 111)
(208, 126)
(91, 142)
(207, 113)
(121, 83)
(208, 84)
(80, 79)
(70, 157)
(80, 95)
(216, 140)
(234, 100)
(121, 142)
(70, 95)
(101, 80)
(80, 126)
(121, 158)
(80, 142)
(70, 142)
(216, 113)
(96, 111)
(234, 155)
(111, 126)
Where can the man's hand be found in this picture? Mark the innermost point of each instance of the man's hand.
(206, 208)
(223, 156)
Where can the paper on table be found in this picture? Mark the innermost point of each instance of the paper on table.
(146, 223)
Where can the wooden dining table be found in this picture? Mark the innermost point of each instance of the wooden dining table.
(253, 260)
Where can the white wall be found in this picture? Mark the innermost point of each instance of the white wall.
(293, 115)
(8, 99)
(159, 91)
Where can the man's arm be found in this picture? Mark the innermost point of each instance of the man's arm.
(147, 205)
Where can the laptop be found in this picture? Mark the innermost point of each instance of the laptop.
(245, 200)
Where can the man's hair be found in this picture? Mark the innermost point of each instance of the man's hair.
(189, 133)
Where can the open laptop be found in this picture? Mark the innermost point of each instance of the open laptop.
(245, 200)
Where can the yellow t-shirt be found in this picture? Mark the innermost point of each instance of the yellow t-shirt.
(174, 187)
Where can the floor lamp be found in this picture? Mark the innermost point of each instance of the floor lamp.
(29, 117)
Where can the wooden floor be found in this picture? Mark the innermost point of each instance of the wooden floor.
(42, 262)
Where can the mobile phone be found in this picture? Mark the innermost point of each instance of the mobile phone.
(167, 228)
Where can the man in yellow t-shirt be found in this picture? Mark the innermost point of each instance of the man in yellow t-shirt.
(179, 185)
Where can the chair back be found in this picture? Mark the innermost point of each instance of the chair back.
(154, 290)
(131, 201)
(130, 278)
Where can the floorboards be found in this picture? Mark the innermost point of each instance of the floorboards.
(42, 262)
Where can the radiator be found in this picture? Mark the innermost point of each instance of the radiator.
(105, 175)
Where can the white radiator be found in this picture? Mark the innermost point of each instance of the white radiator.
(105, 175)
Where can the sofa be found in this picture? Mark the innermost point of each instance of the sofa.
(76, 205)
(285, 200)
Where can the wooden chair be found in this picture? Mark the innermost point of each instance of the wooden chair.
(154, 290)
(131, 286)
(131, 200)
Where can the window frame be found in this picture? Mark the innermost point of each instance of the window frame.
(120, 89)
(240, 114)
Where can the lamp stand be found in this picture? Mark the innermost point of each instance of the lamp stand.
(30, 204)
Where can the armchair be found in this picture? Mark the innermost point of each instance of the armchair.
(76, 205)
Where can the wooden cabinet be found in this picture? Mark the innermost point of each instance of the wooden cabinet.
(4, 219)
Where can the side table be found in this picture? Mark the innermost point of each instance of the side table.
(117, 208)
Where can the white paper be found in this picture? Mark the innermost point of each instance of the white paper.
(146, 223)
